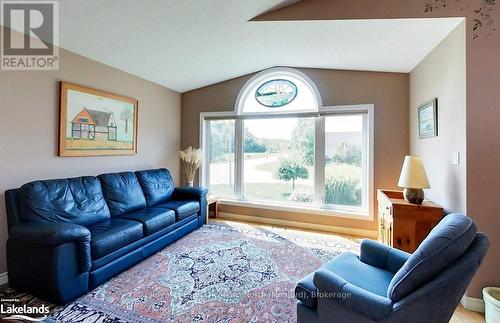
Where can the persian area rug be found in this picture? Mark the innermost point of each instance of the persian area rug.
(223, 272)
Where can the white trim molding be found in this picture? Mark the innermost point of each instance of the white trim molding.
(473, 304)
(4, 278)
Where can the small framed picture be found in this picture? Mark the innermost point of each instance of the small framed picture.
(428, 119)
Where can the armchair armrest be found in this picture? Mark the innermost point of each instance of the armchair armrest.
(381, 256)
(364, 302)
(53, 234)
(184, 193)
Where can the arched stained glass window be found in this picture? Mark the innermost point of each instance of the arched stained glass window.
(276, 93)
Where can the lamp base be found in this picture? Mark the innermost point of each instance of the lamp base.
(414, 195)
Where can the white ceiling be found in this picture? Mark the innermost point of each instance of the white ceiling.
(189, 44)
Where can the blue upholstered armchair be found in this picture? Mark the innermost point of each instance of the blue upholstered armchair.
(385, 284)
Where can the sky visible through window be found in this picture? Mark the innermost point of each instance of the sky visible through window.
(283, 129)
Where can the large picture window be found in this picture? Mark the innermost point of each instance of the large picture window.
(290, 151)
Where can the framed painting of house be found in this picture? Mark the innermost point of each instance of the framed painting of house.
(96, 123)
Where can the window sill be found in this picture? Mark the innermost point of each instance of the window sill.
(297, 208)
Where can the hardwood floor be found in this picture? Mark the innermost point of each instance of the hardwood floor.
(462, 315)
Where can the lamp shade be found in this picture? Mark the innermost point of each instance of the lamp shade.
(413, 173)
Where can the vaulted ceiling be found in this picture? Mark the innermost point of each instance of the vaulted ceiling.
(189, 44)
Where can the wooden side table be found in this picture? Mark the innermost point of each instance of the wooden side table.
(404, 225)
(212, 206)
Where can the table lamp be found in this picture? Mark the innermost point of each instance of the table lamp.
(413, 179)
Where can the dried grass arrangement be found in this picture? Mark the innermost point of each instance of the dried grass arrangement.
(192, 159)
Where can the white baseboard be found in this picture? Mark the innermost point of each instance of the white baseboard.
(473, 304)
(298, 225)
(4, 279)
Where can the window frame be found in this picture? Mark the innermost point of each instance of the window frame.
(319, 172)
(367, 145)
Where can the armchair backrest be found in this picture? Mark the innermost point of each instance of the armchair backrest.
(444, 245)
(441, 295)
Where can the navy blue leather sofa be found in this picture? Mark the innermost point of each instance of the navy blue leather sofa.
(67, 236)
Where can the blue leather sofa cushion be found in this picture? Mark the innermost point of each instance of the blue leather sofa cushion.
(122, 192)
(182, 209)
(444, 244)
(111, 235)
(77, 200)
(157, 185)
(152, 219)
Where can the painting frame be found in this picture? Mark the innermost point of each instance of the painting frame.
(428, 119)
(64, 142)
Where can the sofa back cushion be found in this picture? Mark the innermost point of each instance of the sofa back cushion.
(76, 200)
(122, 192)
(444, 244)
(157, 185)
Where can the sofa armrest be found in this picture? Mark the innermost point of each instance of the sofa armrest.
(190, 193)
(381, 256)
(54, 234)
(49, 233)
(194, 193)
(363, 302)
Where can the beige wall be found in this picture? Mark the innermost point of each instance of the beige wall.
(387, 91)
(442, 75)
(483, 97)
(29, 103)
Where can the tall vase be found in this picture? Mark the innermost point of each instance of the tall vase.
(190, 183)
